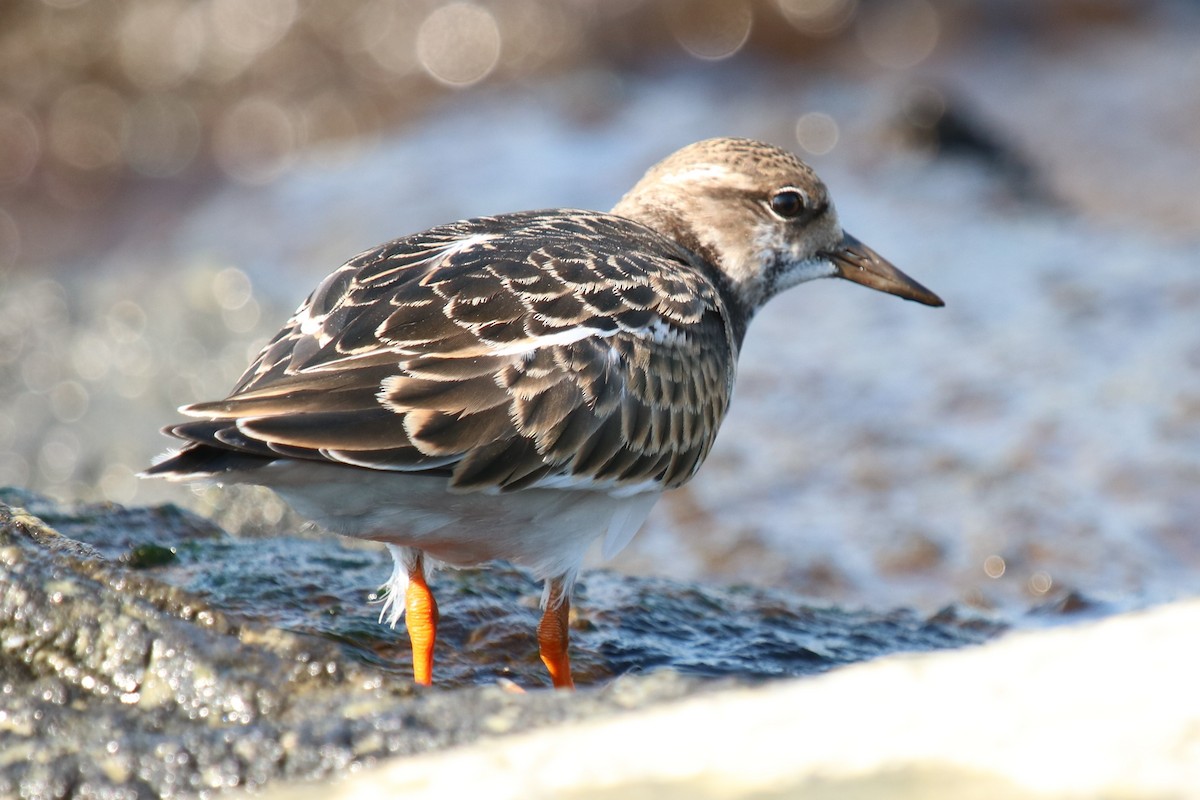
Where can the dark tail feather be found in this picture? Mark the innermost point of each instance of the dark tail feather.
(196, 461)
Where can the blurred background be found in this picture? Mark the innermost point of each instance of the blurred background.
(176, 175)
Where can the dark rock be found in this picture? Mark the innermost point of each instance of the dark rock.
(1073, 603)
(945, 126)
(241, 661)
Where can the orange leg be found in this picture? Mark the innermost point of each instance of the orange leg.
(554, 637)
(421, 617)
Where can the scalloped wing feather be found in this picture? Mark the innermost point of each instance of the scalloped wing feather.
(513, 351)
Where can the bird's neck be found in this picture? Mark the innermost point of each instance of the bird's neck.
(707, 254)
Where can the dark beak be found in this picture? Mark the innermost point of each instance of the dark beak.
(859, 263)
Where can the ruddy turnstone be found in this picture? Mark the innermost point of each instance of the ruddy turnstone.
(516, 387)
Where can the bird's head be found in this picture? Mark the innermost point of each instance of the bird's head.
(762, 217)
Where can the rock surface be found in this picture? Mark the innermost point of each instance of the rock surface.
(1108, 709)
(145, 651)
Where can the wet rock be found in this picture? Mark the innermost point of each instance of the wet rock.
(237, 662)
(1106, 709)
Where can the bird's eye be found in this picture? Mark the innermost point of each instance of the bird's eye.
(788, 203)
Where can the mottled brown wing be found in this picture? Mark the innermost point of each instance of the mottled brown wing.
(544, 348)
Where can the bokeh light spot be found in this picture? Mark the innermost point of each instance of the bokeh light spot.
(817, 17)
(118, 483)
(39, 372)
(899, 34)
(817, 133)
(59, 455)
(711, 29)
(255, 141)
(159, 44)
(84, 126)
(126, 320)
(10, 242)
(90, 356)
(994, 566)
(535, 33)
(68, 401)
(328, 118)
(161, 136)
(46, 300)
(251, 27)
(1040, 582)
(387, 32)
(133, 360)
(20, 144)
(13, 337)
(459, 44)
(231, 288)
(14, 469)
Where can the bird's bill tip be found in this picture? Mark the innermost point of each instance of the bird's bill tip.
(856, 262)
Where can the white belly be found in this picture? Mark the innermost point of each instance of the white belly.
(546, 530)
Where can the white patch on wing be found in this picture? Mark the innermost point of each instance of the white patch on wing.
(565, 336)
(310, 325)
(465, 243)
(347, 361)
(659, 331)
(435, 256)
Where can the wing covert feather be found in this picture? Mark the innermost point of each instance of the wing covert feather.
(508, 350)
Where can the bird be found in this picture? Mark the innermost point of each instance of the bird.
(518, 387)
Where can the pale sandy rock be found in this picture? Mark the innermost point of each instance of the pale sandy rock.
(1103, 709)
